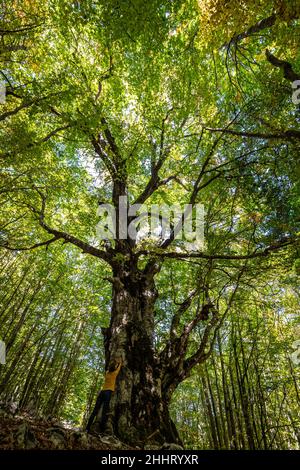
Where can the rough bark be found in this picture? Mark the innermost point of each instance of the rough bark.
(139, 408)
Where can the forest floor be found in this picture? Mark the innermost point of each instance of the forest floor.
(23, 431)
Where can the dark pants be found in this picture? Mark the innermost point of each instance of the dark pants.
(102, 400)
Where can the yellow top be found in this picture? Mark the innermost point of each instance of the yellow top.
(110, 379)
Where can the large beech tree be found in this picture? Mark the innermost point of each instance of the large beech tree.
(139, 100)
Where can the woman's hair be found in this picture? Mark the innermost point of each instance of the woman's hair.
(112, 367)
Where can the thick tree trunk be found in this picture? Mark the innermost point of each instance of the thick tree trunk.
(138, 408)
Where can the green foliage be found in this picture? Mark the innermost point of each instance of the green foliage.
(158, 76)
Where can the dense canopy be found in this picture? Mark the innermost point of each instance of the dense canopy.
(161, 102)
